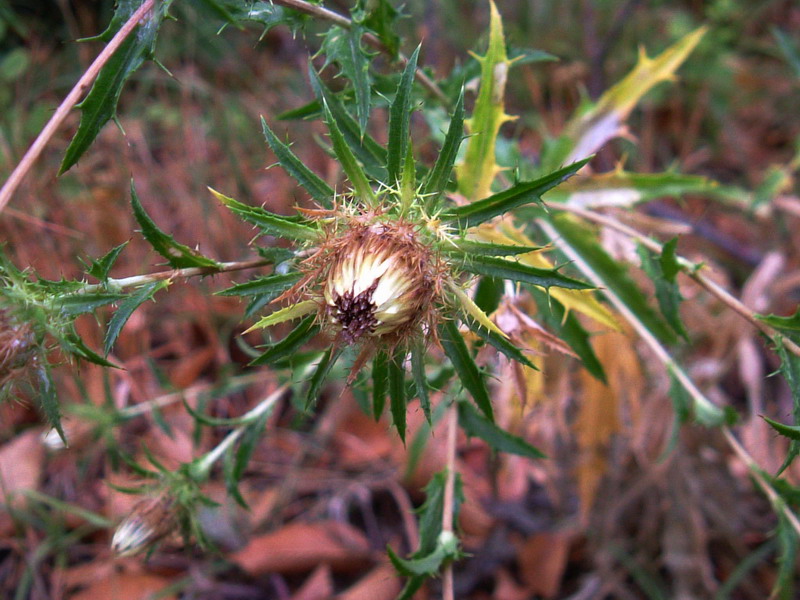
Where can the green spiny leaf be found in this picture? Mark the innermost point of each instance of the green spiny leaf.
(73, 305)
(268, 222)
(380, 383)
(466, 246)
(438, 177)
(509, 269)
(420, 379)
(126, 309)
(397, 392)
(348, 161)
(399, 119)
(474, 424)
(271, 286)
(100, 103)
(500, 343)
(662, 272)
(456, 350)
(324, 367)
(49, 400)
(517, 195)
(100, 268)
(371, 154)
(177, 255)
(320, 191)
(381, 17)
(790, 369)
(343, 46)
(304, 331)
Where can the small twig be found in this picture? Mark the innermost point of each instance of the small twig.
(449, 491)
(337, 19)
(18, 174)
(138, 280)
(689, 268)
(664, 356)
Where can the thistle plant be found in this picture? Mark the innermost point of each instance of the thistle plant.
(400, 270)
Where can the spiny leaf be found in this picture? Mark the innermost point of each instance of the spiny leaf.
(126, 309)
(343, 46)
(613, 273)
(380, 383)
(662, 273)
(304, 331)
(517, 195)
(474, 311)
(100, 268)
(476, 425)
(178, 256)
(286, 314)
(348, 161)
(476, 173)
(100, 103)
(420, 379)
(397, 392)
(456, 350)
(324, 367)
(588, 131)
(517, 271)
(371, 154)
(271, 286)
(489, 249)
(438, 177)
(268, 222)
(320, 191)
(73, 305)
(399, 118)
(381, 17)
(500, 343)
(49, 400)
(790, 431)
(72, 343)
(790, 369)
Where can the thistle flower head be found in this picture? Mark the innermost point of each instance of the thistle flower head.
(379, 281)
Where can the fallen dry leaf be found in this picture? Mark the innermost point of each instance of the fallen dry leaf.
(20, 464)
(381, 583)
(125, 586)
(542, 560)
(299, 547)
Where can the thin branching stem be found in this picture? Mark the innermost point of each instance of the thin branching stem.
(663, 355)
(342, 21)
(25, 165)
(691, 269)
(139, 280)
(202, 467)
(449, 493)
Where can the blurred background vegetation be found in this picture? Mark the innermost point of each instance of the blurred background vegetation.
(639, 526)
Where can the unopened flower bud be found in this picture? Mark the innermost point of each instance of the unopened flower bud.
(149, 521)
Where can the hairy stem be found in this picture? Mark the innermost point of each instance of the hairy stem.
(449, 490)
(18, 174)
(689, 268)
(138, 280)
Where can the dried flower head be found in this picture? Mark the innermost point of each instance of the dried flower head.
(149, 521)
(378, 281)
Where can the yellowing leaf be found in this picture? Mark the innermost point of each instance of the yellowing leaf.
(475, 311)
(286, 314)
(582, 301)
(476, 173)
(604, 120)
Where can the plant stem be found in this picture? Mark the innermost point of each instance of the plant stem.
(689, 268)
(18, 174)
(345, 23)
(138, 280)
(202, 467)
(449, 490)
